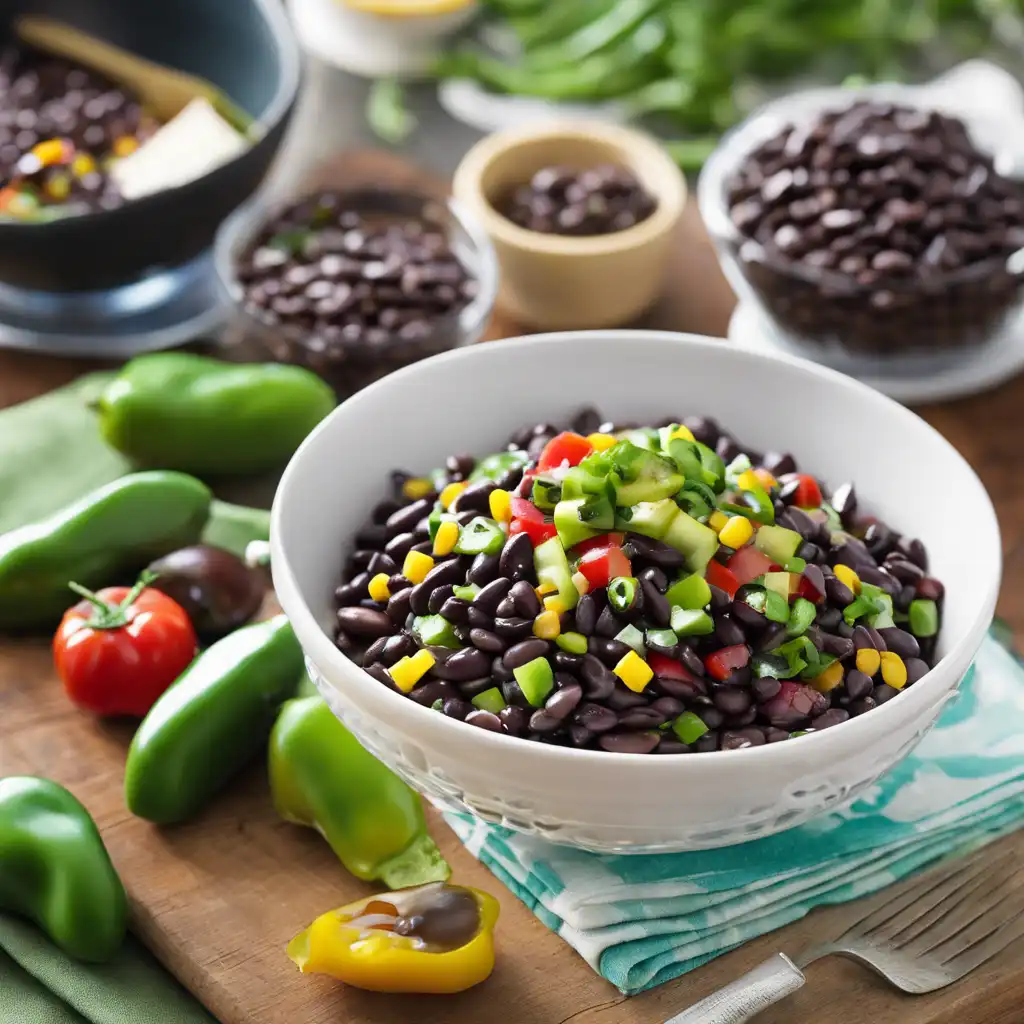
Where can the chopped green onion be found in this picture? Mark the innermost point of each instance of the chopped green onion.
(776, 607)
(801, 615)
(437, 705)
(622, 593)
(387, 113)
(480, 536)
(769, 666)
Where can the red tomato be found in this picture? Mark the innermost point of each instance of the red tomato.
(601, 564)
(808, 493)
(119, 650)
(600, 541)
(805, 589)
(748, 563)
(528, 519)
(668, 667)
(721, 664)
(719, 576)
(566, 448)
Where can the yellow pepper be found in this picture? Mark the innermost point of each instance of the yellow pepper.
(433, 939)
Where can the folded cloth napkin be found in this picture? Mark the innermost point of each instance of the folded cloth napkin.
(641, 920)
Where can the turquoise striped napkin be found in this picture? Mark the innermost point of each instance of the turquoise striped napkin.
(642, 920)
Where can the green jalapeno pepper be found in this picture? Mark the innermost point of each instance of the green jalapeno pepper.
(211, 722)
(182, 411)
(322, 778)
(109, 533)
(55, 870)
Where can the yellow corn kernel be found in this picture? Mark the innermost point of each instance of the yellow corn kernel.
(748, 481)
(49, 152)
(82, 165)
(868, 660)
(544, 589)
(717, 520)
(634, 671)
(416, 487)
(500, 503)
(684, 432)
(407, 672)
(546, 625)
(58, 187)
(894, 671)
(829, 679)
(446, 537)
(602, 442)
(767, 480)
(378, 587)
(416, 566)
(555, 604)
(450, 493)
(846, 575)
(736, 532)
(125, 145)
(581, 583)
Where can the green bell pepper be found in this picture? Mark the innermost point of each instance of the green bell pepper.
(99, 540)
(177, 410)
(55, 870)
(322, 778)
(211, 722)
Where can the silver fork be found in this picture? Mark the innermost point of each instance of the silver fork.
(921, 936)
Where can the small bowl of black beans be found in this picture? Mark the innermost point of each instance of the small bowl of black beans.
(872, 227)
(699, 605)
(581, 217)
(355, 283)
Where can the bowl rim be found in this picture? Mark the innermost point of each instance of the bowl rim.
(240, 229)
(323, 650)
(796, 108)
(672, 194)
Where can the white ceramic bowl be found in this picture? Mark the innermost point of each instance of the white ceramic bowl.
(471, 400)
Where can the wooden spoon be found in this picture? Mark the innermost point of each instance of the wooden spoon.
(164, 91)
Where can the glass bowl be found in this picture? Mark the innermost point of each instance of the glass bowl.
(349, 367)
(906, 325)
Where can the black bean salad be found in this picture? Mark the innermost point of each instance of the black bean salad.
(637, 590)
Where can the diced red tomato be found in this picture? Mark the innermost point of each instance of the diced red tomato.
(748, 563)
(601, 564)
(719, 576)
(805, 589)
(528, 519)
(566, 448)
(808, 493)
(721, 664)
(668, 667)
(600, 541)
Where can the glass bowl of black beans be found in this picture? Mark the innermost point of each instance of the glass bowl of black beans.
(355, 283)
(872, 228)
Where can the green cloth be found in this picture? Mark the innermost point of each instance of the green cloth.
(40, 985)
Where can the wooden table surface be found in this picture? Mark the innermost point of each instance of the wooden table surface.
(217, 899)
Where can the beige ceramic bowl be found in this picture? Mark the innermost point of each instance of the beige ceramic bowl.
(552, 282)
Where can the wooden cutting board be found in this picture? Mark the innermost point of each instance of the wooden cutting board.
(218, 899)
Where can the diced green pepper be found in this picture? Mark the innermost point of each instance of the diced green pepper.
(435, 631)
(778, 543)
(687, 622)
(795, 564)
(546, 494)
(649, 518)
(883, 618)
(598, 511)
(438, 705)
(436, 518)
(714, 468)
(691, 592)
(770, 666)
(480, 536)
(868, 602)
(494, 467)
(663, 638)
(553, 568)
(694, 540)
(632, 637)
(801, 615)
(689, 727)
(571, 530)
(817, 665)
(776, 607)
(696, 499)
(641, 475)
(586, 478)
(536, 680)
(923, 617)
(622, 593)
(490, 700)
(466, 593)
(573, 643)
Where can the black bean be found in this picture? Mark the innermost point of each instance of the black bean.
(399, 646)
(858, 684)
(353, 591)
(563, 679)
(903, 570)
(459, 466)
(462, 634)
(853, 553)
(711, 716)
(513, 629)
(779, 463)
(374, 537)
(433, 690)
(739, 677)
(880, 578)
(691, 660)
(707, 742)
(930, 589)
(383, 510)
(810, 552)
(438, 598)
(465, 664)
(470, 688)
(740, 738)
(491, 595)
(670, 707)
(774, 735)
(405, 519)
(515, 721)
(524, 652)
(564, 700)
(365, 622)
(654, 551)
(655, 605)
(525, 600)
(543, 721)
(883, 692)
(611, 652)
(858, 707)
(838, 592)
(720, 600)
(844, 501)
(566, 662)
(480, 619)
(399, 606)
(359, 561)
(655, 576)
(623, 698)
(594, 717)
(375, 651)
(877, 639)
(671, 746)
(475, 498)
(506, 608)
(398, 582)
(597, 678)
(398, 547)
(730, 699)
(704, 429)
(379, 562)
(727, 632)
(834, 716)
(342, 640)
(445, 573)
(879, 540)
(915, 552)
(629, 743)
(844, 630)
(456, 611)
(608, 623)
(816, 578)
(765, 688)
(828, 618)
(862, 639)
(641, 718)
(419, 599)
(900, 642)
(586, 614)
(579, 735)
(498, 670)
(483, 570)
(484, 720)
(486, 640)
(916, 668)
(456, 707)
(517, 558)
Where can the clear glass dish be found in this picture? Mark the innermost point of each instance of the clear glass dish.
(250, 336)
(917, 325)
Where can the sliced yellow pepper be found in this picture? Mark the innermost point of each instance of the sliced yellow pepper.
(359, 945)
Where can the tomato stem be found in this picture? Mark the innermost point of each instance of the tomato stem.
(113, 616)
